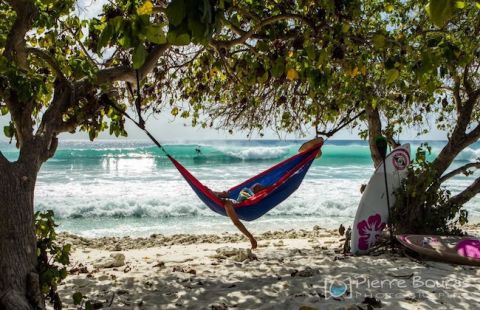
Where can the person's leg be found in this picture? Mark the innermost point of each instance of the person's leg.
(221, 195)
(233, 216)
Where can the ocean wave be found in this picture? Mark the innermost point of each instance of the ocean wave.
(160, 199)
(469, 154)
(258, 153)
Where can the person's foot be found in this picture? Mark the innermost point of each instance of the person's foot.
(253, 242)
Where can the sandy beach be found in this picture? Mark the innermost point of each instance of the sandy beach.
(289, 270)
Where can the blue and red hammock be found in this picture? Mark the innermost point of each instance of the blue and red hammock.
(280, 181)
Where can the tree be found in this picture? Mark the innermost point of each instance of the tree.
(59, 73)
(406, 63)
(439, 70)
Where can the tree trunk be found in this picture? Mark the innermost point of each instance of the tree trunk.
(374, 130)
(19, 283)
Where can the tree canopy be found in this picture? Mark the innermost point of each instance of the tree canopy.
(286, 65)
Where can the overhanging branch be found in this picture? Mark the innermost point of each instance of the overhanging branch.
(343, 123)
(248, 34)
(467, 194)
(49, 60)
(127, 73)
(62, 96)
(463, 169)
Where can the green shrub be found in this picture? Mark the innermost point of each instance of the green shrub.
(423, 205)
(52, 258)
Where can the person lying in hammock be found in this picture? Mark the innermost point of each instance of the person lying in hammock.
(229, 204)
(246, 193)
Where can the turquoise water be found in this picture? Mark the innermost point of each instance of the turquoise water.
(124, 187)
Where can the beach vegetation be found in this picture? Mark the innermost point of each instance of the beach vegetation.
(438, 89)
(52, 257)
(437, 213)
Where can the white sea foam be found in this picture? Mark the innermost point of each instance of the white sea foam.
(133, 192)
(469, 154)
(249, 153)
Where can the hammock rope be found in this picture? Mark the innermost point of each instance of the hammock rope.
(280, 181)
(140, 124)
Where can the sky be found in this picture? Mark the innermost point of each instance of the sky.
(166, 128)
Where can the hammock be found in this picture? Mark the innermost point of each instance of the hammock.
(281, 181)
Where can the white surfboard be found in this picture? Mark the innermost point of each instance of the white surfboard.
(372, 212)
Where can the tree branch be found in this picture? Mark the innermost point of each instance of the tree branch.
(15, 45)
(248, 34)
(470, 192)
(49, 60)
(466, 81)
(26, 11)
(456, 95)
(341, 124)
(62, 96)
(84, 49)
(51, 121)
(460, 139)
(374, 130)
(127, 73)
(463, 169)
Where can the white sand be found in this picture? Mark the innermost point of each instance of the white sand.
(286, 274)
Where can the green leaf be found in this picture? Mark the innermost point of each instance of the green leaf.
(278, 68)
(105, 36)
(139, 55)
(460, 4)
(8, 131)
(182, 39)
(263, 78)
(197, 28)
(125, 40)
(116, 23)
(379, 41)
(155, 34)
(77, 298)
(174, 111)
(440, 11)
(345, 27)
(310, 52)
(176, 12)
(92, 134)
(392, 75)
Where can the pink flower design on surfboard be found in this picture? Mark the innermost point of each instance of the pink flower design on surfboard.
(469, 248)
(369, 230)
